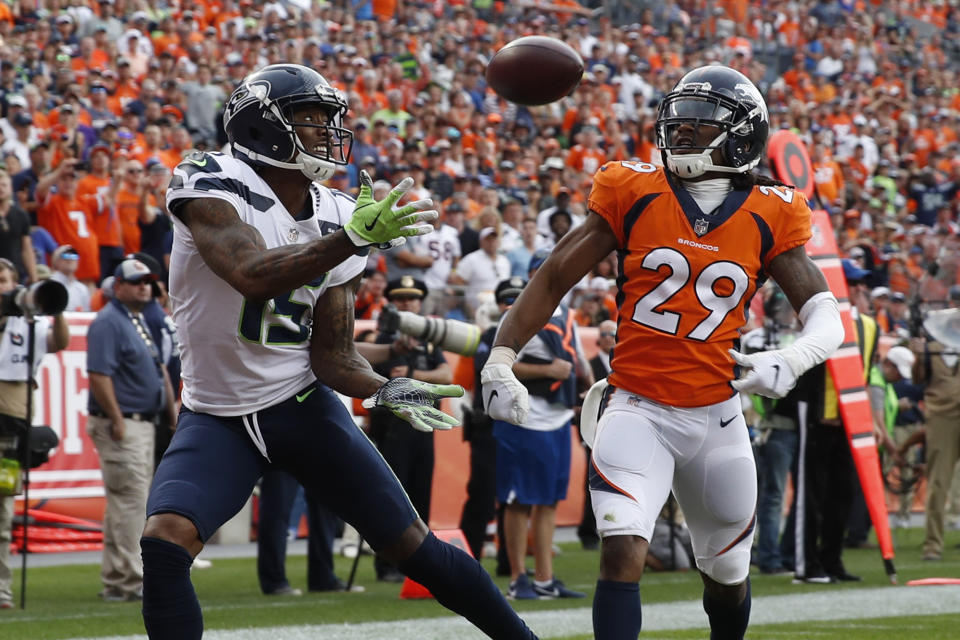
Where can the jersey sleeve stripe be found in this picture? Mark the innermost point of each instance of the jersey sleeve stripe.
(634, 214)
(256, 200)
(766, 238)
(345, 196)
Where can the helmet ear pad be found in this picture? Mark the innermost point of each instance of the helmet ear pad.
(740, 150)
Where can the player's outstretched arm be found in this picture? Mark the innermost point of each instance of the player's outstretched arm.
(774, 373)
(333, 354)
(504, 398)
(236, 251)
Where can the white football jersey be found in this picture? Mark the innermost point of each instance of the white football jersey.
(443, 244)
(240, 356)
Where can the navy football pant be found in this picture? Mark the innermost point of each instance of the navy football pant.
(212, 465)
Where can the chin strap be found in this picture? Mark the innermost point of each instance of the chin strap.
(313, 168)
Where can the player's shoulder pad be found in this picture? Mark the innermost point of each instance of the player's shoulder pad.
(201, 171)
(777, 200)
(616, 172)
(199, 162)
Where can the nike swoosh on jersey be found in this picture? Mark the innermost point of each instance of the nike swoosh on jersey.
(305, 395)
(724, 423)
(199, 164)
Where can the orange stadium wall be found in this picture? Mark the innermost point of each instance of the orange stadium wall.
(70, 483)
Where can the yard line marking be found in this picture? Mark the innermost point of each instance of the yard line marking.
(829, 604)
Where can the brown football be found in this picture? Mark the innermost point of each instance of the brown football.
(534, 70)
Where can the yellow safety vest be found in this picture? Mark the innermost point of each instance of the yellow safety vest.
(867, 337)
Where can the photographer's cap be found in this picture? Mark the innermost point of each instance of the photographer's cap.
(132, 270)
(66, 252)
(852, 272)
(406, 287)
(903, 359)
(508, 290)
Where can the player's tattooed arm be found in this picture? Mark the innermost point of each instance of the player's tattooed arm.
(333, 355)
(236, 251)
(798, 276)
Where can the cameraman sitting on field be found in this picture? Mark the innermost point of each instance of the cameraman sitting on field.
(51, 336)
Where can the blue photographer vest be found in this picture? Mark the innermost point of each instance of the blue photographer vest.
(558, 334)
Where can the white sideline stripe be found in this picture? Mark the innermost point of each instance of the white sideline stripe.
(63, 475)
(68, 492)
(829, 604)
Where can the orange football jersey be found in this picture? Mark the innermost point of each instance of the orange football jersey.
(688, 277)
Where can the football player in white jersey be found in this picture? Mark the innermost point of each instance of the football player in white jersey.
(264, 269)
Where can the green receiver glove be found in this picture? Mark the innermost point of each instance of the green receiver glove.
(412, 400)
(378, 223)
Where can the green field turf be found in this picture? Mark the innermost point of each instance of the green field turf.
(63, 603)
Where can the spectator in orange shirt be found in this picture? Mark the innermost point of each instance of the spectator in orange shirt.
(855, 170)
(131, 203)
(827, 175)
(180, 142)
(95, 189)
(68, 219)
(587, 156)
(152, 145)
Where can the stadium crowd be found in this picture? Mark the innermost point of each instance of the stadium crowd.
(101, 99)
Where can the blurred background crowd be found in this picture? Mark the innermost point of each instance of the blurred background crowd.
(100, 99)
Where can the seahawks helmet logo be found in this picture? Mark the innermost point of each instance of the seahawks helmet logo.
(249, 92)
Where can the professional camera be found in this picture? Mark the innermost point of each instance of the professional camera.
(450, 335)
(45, 298)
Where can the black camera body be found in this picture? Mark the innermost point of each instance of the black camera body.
(47, 298)
(36, 446)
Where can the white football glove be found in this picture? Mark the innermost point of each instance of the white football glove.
(765, 373)
(504, 398)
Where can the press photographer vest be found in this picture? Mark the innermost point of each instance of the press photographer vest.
(557, 335)
(13, 347)
(13, 362)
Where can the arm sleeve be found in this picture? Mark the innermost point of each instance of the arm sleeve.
(822, 333)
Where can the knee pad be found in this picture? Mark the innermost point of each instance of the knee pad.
(730, 567)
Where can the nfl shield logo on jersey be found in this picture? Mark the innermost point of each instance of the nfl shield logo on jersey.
(293, 235)
(701, 226)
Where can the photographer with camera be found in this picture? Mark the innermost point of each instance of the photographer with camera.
(14, 347)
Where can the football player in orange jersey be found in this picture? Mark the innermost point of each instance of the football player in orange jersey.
(696, 240)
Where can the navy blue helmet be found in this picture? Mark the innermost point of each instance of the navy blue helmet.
(259, 121)
(722, 97)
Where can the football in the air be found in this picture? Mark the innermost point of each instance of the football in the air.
(534, 70)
